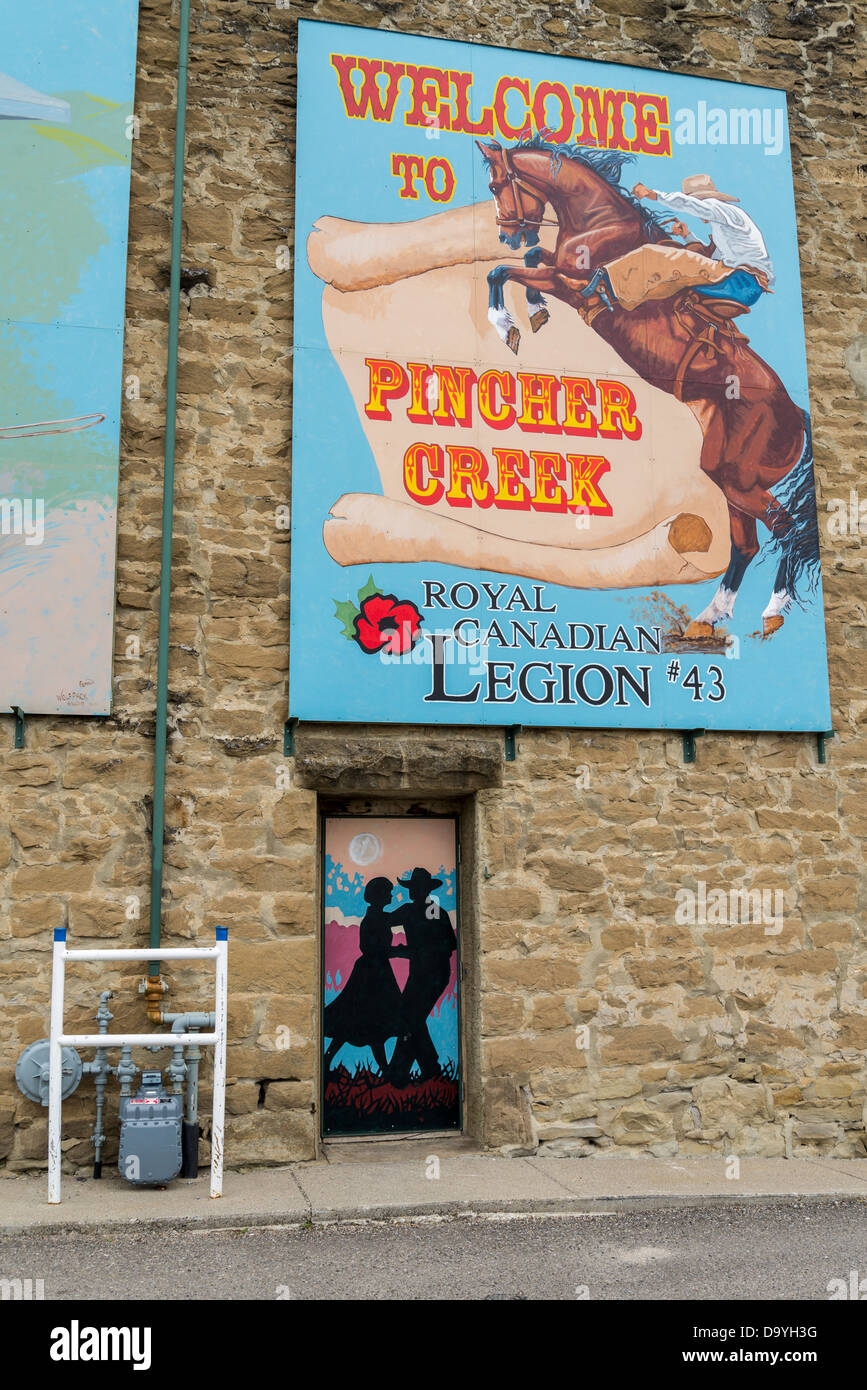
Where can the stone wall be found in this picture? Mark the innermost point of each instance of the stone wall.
(597, 1021)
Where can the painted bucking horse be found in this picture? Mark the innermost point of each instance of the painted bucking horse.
(755, 437)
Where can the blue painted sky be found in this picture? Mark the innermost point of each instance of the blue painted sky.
(71, 44)
(345, 889)
(92, 48)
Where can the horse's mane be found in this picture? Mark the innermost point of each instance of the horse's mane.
(608, 164)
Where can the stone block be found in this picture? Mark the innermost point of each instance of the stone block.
(270, 1137)
(506, 1114)
(356, 760)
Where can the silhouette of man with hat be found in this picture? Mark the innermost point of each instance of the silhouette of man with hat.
(430, 941)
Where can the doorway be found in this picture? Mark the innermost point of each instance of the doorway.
(390, 1001)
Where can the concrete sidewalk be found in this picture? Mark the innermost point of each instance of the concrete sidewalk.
(383, 1188)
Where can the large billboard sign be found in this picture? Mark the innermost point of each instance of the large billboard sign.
(66, 129)
(552, 458)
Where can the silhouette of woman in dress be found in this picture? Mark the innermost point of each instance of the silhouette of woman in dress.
(368, 1009)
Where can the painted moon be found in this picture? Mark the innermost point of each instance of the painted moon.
(364, 849)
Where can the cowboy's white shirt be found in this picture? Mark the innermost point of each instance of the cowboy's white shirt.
(737, 239)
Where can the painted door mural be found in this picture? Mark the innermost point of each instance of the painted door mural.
(390, 1019)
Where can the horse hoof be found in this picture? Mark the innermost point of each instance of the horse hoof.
(513, 338)
(539, 319)
(770, 626)
(697, 629)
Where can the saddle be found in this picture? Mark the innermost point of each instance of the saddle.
(707, 322)
(723, 308)
(711, 322)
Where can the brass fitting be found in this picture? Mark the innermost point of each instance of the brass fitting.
(154, 989)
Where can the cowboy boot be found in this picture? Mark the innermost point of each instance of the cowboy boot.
(600, 285)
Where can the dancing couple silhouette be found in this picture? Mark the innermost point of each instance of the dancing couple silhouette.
(371, 1008)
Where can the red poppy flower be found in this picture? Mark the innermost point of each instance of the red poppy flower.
(387, 624)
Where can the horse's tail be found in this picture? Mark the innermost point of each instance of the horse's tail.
(798, 550)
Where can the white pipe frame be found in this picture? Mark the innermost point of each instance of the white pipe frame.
(59, 1039)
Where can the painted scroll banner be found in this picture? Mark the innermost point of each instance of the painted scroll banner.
(424, 295)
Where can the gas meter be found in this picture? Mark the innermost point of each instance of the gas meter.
(150, 1132)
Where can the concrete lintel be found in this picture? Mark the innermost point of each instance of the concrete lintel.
(350, 759)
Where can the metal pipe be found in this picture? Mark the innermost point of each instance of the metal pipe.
(136, 1039)
(192, 1022)
(55, 1064)
(100, 1068)
(159, 808)
(194, 1057)
(190, 1125)
(177, 1068)
(125, 1069)
(163, 953)
(218, 1114)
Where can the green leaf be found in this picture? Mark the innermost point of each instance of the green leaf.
(346, 613)
(371, 587)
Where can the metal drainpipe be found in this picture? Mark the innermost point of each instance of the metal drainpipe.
(154, 986)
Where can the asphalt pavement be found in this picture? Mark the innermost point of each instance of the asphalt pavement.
(790, 1250)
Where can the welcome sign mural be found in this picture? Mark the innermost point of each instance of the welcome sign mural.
(552, 452)
(66, 100)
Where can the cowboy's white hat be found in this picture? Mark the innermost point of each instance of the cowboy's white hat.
(702, 186)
